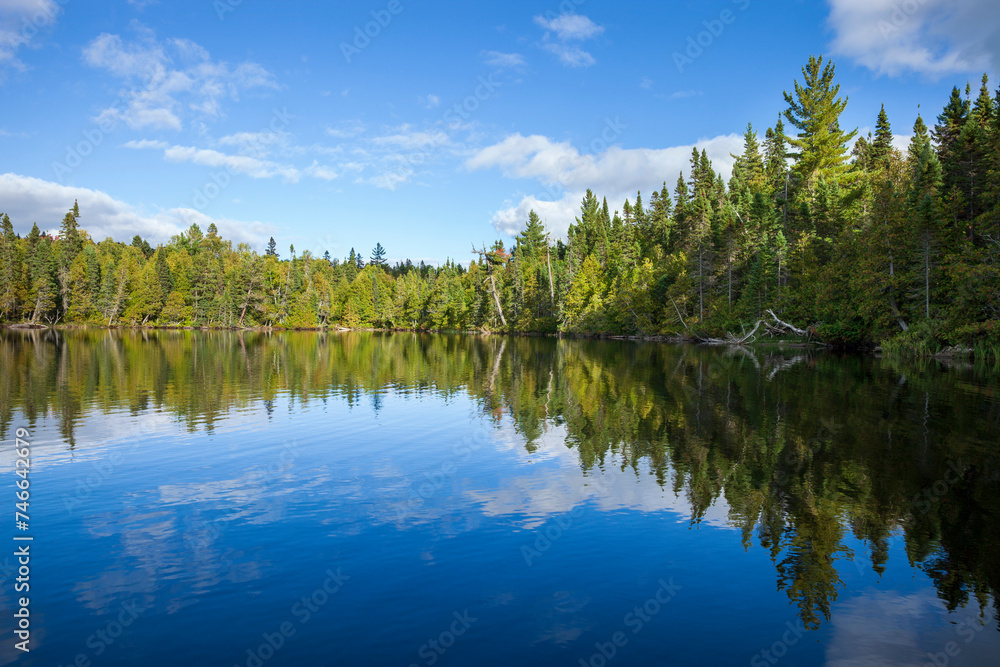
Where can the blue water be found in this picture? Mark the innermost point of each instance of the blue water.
(409, 526)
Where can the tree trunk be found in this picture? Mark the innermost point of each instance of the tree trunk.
(548, 261)
(927, 276)
(496, 298)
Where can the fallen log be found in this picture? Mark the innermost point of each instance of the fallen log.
(772, 330)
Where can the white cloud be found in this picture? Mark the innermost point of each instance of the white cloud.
(146, 143)
(564, 174)
(389, 180)
(6, 134)
(931, 37)
(684, 94)
(429, 101)
(569, 28)
(28, 200)
(240, 164)
(20, 22)
(570, 55)
(646, 83)
(321, 172)
(252, 165)
(499, 59)
(164, 80)
(407, 139)
(346, 130)
(257, 144)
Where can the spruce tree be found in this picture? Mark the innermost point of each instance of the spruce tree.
(924, 204)
(532, 239)
(10, 269)
(69, 236)
(378, 255)
(946, 133)
(272, 248)
(882, 145)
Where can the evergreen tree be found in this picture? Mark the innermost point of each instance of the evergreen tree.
(378, 255)
(272, 249)
(925, 205)
(10, 269)
(814, 110)
(532, 239)
(69, 235)
(946, 134)
(882, 145)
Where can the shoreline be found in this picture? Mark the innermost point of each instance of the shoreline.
(876, 350)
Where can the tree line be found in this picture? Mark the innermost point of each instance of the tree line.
(860, 242)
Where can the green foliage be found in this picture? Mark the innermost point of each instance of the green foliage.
(923, 340)
(859, 250)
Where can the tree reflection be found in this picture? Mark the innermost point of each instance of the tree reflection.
(804, 448)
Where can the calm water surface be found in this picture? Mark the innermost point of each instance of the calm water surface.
(364, 499)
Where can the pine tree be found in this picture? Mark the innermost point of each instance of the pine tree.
(43, 290)
(163, 275)
(882, 145)
(814, 109)
(946, 134)
(70, 237)
(10, 269)
(272, 249)
(378, 255)
(775, 154)
(924, 202)
(748, 168)
(678, 239)
(532, 239)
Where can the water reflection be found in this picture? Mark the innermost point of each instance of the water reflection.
(795, 450)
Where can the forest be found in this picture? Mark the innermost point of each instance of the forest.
(844, 235)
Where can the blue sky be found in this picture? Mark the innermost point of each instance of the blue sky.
(426, 126)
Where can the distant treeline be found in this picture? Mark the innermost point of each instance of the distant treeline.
(863, 245)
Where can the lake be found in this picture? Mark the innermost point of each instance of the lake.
(251, 499)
